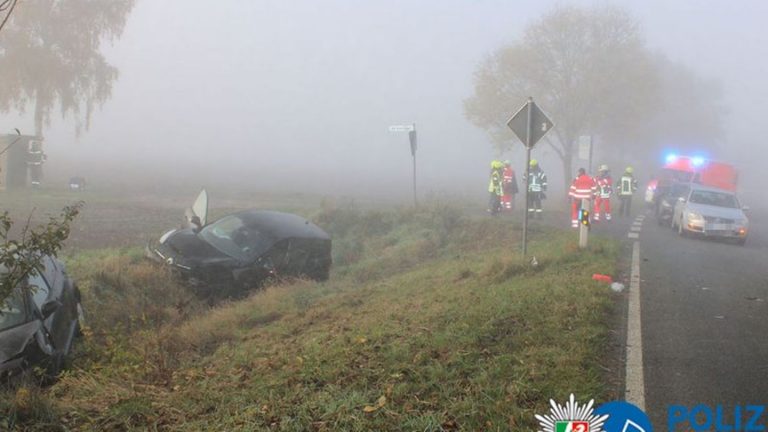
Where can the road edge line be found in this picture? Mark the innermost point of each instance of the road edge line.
(635, 383)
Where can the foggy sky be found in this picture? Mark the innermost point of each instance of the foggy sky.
(298, 94)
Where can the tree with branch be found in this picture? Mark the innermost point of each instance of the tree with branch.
(50, 55)
(589, 68)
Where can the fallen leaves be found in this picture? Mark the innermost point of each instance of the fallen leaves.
(379, 404)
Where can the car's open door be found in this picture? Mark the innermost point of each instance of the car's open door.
(197, 215)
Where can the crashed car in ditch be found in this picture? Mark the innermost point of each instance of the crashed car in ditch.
(243, 249)
(39, 321)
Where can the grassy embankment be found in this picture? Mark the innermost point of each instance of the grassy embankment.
(430, 321)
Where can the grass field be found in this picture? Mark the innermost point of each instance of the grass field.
(430, 321)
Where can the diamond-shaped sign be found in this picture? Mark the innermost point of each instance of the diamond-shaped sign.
(540, 123)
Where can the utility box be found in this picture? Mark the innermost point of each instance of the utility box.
(22, 157)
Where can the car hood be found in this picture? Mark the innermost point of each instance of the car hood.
(713, 211)
(14, 340)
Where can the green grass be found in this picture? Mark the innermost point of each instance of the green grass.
(430, 321)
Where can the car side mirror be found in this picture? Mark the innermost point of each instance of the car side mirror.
(50, 307)
(745, 208)
(681, 199)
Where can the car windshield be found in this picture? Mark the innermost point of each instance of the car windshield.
(677, 175)
(716, 199)
(12, 312)
(233, 237)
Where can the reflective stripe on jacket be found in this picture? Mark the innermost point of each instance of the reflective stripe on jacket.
(537, 181)
(628, 185)
(583, 187)
(604, 186)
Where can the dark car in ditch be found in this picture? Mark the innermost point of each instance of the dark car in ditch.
(39, 321)
(243, 249)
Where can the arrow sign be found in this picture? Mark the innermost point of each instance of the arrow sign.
(402, 128)
(540, 123)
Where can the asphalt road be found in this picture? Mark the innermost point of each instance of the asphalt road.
(704, 318)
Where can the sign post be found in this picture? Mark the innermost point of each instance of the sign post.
(411, 129)
(584, 223)
(585, 150)
(529, 124)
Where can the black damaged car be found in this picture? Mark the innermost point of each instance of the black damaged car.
(243, 249)
(39, 321)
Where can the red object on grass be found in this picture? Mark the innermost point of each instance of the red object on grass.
(602, 278)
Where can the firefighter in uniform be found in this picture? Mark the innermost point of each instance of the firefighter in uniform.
(537, 186)
(495, 187)
(604, 191)
(509, 186)
(627, 187)
(582, 187)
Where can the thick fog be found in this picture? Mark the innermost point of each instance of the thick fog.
(297, 96)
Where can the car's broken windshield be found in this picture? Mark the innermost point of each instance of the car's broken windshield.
(233, 237)
(12, 312)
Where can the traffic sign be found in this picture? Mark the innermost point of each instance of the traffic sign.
(585, 147)
(530, 114)
(402, 128)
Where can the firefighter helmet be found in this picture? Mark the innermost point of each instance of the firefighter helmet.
(603, 168)
(629, 170)
(496, 164)
(507, 162)
(534, 162)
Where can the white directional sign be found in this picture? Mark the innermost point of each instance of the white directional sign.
(401, 128)
(585, 147)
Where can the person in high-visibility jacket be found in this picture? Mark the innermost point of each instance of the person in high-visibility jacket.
(604, 190)
(537, 186)
(509, 187)
(495, 187)
(627, 187)
(583, 187)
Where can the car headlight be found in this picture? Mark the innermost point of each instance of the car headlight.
(693, 216)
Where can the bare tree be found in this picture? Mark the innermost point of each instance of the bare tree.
(588, 68)
(50, 54)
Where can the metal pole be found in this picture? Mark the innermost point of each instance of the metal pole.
(589, 165)
(527, 178)
(415, 201)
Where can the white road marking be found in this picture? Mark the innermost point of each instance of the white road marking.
(637, 223)
(635, 229)
(635, 388)
(633, 235)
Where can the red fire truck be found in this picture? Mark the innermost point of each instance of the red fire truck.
(693, 169)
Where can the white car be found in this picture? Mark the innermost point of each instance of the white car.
(711, 212)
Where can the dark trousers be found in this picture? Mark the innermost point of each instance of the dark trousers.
(534, 204)
(494, 203)
(626, 205)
